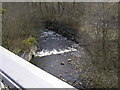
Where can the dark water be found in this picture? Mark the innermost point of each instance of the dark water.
(59, 56)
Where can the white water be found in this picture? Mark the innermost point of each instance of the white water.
(54, 52)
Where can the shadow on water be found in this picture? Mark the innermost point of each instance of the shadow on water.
(66, 29)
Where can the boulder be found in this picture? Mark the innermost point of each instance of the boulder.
(29, 55)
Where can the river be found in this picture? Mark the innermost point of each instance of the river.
(59, 57)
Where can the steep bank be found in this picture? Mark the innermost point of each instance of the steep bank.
(92, 25)
(98, 35)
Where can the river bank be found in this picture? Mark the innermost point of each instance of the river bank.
(91, 26)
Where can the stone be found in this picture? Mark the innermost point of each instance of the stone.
(51, 65)
(29, 55)
(60, 75)
(69, 60)
(62, 63)
(1, 85)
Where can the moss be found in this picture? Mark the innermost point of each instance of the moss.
(27, 43)
(16, 51)
(30, 41)
(4, 10)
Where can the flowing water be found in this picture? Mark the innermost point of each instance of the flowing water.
(58, 56)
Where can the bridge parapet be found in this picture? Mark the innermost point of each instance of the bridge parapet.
(23, 74)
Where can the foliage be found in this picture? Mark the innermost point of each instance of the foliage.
(16, 51)
(3, 10)
(97, 20)
(30, 41)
